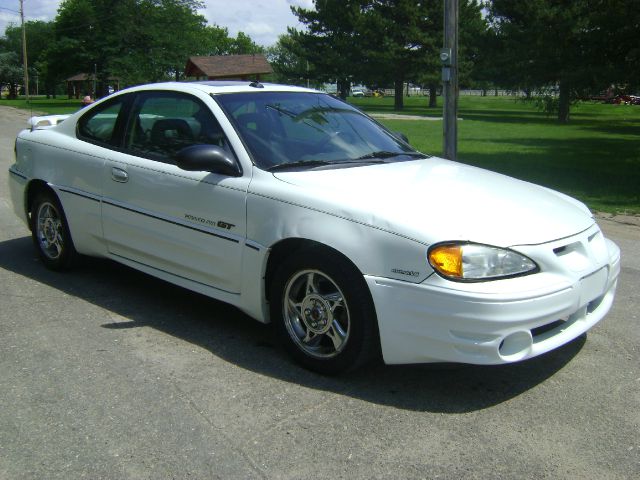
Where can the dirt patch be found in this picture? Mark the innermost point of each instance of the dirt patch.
(626, 226)
(17, 114)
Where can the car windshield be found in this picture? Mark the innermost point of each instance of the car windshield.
(309, 130)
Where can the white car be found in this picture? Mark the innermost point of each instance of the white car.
(304, 212)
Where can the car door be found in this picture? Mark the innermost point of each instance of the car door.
(189, 224)
(78, 170)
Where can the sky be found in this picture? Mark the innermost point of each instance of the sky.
(262, 20)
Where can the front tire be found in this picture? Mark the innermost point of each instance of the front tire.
(322, 312)
(50, 232)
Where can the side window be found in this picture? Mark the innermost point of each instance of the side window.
(99, 124)
(164, 123)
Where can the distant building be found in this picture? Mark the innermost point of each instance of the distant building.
(227, 67)
(82, 84)
(329, 87)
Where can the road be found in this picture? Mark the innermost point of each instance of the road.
(106, 373)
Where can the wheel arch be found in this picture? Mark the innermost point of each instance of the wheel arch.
(286, 247)
(33, 189)
(368, 346)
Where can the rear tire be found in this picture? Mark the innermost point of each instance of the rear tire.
(323, 313)
(50, 232)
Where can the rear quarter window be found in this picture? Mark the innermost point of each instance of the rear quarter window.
(99, 124)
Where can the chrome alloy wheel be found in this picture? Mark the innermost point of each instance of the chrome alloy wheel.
(49, 230)
(316, 314)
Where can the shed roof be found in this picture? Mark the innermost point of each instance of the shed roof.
(227, 66)
(82, 77)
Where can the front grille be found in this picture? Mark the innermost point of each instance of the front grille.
(545, 328)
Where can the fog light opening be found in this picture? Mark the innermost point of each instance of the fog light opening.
(516, 346)
(593, 305)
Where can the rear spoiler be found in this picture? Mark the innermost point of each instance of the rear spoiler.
(46, 121)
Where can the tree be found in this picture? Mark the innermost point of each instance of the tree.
(38, 35)
(10, 72)
(331, 43)
(243, 45)
(616, 30)
(536, 39)
(576, 46)
(287, 60)
(218, 40)
(138, 41)
(403, 38)
(159, 45)
(87, 34)
(381, 41)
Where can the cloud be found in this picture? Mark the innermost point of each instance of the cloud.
(259, 29)
(262, 20)
(8, 18)
(301, 3)
(33, 10)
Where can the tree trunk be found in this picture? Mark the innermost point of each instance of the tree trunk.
(102, 85)
(398, 97)
(564, 102)
(343, 85)
(433, 95)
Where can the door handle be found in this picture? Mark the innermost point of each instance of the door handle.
(119, 175)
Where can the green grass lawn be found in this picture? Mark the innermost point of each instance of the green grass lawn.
(595, 158)
(51, 106)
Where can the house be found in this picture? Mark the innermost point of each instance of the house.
(227, 67)
(83, 84)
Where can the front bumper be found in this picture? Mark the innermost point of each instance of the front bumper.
(500, 321)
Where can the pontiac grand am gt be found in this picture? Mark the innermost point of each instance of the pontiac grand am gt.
(304, 212)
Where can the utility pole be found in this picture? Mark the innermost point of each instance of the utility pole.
(449, 58)
(24, 52)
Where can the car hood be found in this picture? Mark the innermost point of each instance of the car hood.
(434, 200)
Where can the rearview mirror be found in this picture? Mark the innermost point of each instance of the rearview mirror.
(402, 137)
(208, 158)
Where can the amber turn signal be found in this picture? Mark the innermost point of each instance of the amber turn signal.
(447, 259)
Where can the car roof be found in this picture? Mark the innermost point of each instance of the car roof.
(223, 86)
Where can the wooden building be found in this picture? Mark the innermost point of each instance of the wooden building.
(82, 84)
(227, 67)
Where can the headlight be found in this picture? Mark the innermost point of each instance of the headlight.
(473, 262)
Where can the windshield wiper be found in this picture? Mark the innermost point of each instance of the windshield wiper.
(323, 163)
(296, 118)
(299, 164)
(279, 109)
(388, 154)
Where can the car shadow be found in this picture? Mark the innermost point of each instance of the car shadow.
(143, 301)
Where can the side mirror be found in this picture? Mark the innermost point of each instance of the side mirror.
(208, 158)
